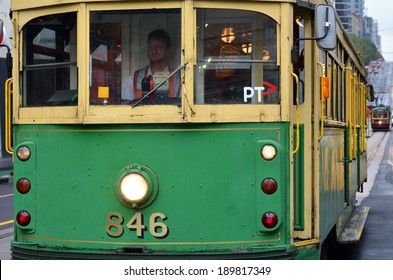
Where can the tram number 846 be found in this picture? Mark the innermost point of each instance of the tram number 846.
(114, 225)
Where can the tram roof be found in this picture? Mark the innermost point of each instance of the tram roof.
(23, 4)
(381, 107)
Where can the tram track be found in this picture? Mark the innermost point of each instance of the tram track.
(375, 148)
(6, 233)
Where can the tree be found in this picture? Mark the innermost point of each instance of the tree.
(368, 51)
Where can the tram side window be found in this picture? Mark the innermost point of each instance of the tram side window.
(124, 66)
(49, 61)
(236, 58)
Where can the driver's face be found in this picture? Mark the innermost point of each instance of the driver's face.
(157, 51)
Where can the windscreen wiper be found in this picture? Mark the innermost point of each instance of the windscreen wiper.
(159, 85)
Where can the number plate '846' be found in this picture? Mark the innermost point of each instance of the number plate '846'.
(156, 227)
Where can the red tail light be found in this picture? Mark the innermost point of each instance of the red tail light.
(269, 219)
(23, 218)
(269, 186)
(23, 186)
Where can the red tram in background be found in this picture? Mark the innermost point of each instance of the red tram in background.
(381, 117)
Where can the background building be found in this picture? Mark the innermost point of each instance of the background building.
(354, 20)
(351, 15)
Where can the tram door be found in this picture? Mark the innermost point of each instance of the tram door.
(323, 163)
(302, 106)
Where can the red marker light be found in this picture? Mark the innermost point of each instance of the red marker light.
(269, 220)
(23, 218)
(269, 186)
(23, 186)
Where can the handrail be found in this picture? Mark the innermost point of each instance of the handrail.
(355, 120)
(322, 132)
(350, 84)
(8, 126)
(49, 65)
(297, 115)
(363, 118)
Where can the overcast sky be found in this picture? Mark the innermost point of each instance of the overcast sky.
(382, 11)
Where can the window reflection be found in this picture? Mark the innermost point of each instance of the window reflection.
(236, 58)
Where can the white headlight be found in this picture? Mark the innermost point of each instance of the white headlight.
(23, 153)
(268, 152)
(134, 188)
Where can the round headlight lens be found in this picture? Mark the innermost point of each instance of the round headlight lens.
(134, 188)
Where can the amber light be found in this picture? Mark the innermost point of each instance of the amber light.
(23, 218)
(269, 220)
(269, 186)
(23, 186)
(228, 36)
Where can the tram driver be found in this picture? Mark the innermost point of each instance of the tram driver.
(144, 80)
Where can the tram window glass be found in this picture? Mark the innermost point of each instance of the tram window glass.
(119, 48)
(236, 58)
(49, 61)
(340, 94)
(334, 91)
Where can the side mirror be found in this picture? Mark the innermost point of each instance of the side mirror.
(325, 27)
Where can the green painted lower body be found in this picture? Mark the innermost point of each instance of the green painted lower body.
(31, 251)
(209, 202)
(310, 252)
(341, 177)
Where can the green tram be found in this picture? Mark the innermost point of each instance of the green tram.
(258, 155)
(381, 117)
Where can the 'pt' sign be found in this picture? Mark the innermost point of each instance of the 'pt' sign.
(250, 92)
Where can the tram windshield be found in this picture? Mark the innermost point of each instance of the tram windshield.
(236, 60)
(49, 61)
(134, 53)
